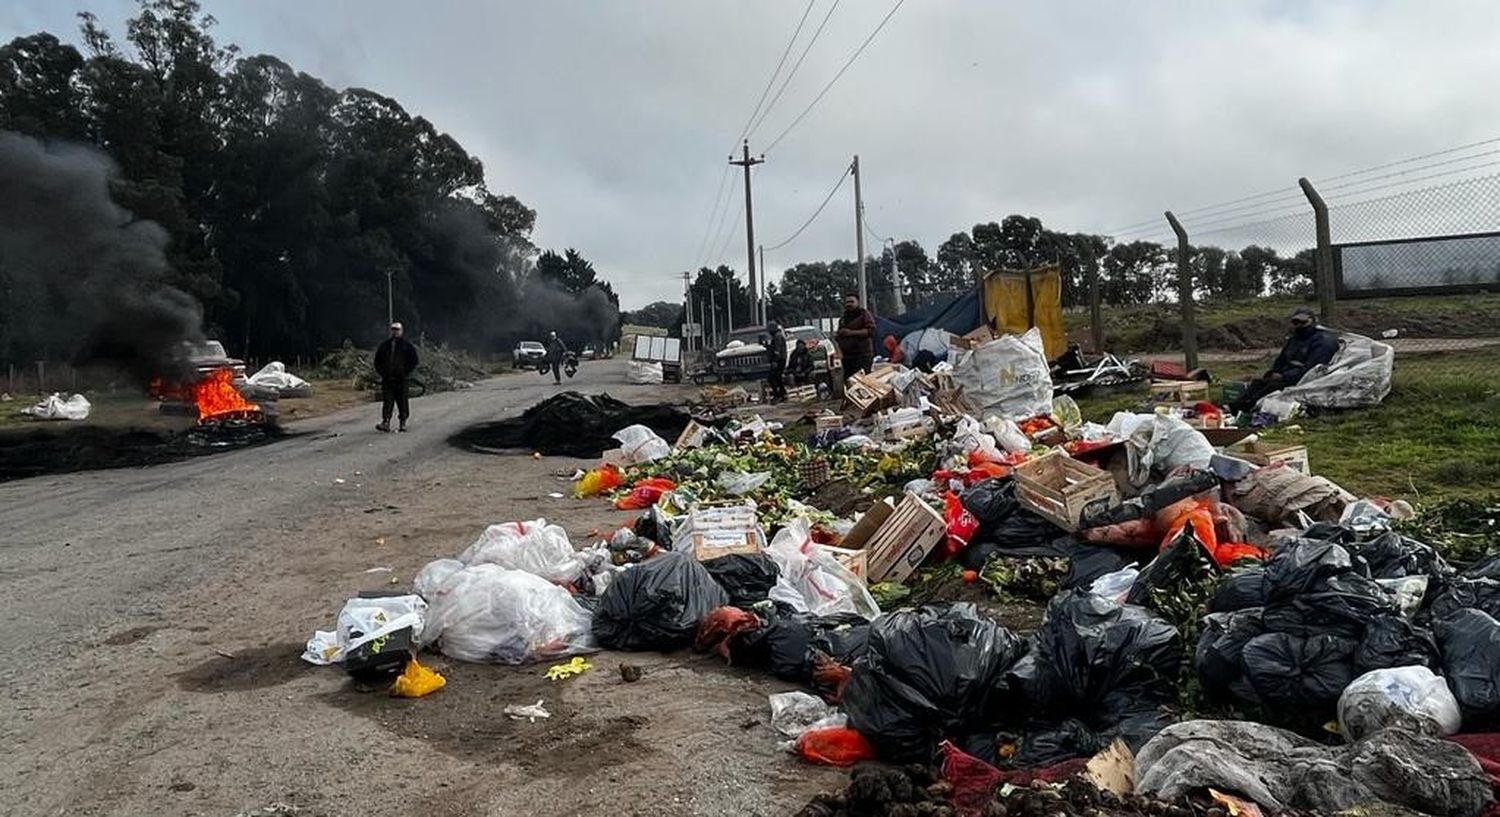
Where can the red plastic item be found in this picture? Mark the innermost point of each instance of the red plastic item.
(644, 493)
(834, 746)
(723, 625)
(962, 525)
(1201, 517)
(974, 781)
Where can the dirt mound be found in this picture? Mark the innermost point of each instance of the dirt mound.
(570, 425)
(39, 452)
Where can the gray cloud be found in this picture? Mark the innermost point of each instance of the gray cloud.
(613, 119)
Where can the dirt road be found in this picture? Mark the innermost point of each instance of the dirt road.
(154, 619)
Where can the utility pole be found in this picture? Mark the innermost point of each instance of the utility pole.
(859, 235)
(713, 314)
(729, 304)
(687, 309)
(748, 163)
(390, 297)
(896, 280)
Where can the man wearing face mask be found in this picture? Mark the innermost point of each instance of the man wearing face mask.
(1310, 345)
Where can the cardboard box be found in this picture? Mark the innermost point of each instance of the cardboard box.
(691, 437)
(709, 532)
(1178, 392)
(828, 421)
(973, 340)
(904, 540)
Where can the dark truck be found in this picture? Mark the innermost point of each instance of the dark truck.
(744, 357)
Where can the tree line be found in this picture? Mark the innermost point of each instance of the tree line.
(1135, 272)
(292, 207)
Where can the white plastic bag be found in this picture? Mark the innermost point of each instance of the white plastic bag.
(811, 580)
(793, 713)
(535, 547)
(644, 373)
(1007, 434)
(1009, 375)
(1359, 375)
(486, 613)
(1408, 592)
(740, 483)
(1410, 698)
(54, 407)
(274, 375)
(1160, 442)
(1115, 586)
(640, 444)
(432, 575)
(363, 620)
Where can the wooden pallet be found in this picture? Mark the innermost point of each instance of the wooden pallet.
(1062, 490)
(904, 540)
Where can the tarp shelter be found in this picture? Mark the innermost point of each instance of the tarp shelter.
(960, 316)
(1015, 307)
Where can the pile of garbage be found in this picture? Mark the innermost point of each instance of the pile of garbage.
(439, 367)
(570, 424)
(1181, 574)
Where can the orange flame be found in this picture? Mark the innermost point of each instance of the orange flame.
(216, 396)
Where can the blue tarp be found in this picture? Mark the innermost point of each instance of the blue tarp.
(960, 316)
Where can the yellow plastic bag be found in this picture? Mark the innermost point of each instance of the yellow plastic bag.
(597, 481)
(416, 681)
(577, 666)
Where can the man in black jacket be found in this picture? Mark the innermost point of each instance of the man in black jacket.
(395, 360)
(856, 336)
(1310, 345)
(776, 350)
(557, 351)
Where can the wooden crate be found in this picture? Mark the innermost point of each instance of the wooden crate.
(1178, 392)
(857, 561)
(1264, 453)
(828, 421)
(973, 340)
(691, 437)
(868, 393)
(1062, 489)
(802, 394)
(904, 540)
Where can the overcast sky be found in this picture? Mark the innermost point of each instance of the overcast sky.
(613, 119)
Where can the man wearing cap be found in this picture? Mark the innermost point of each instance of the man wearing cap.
(1310, 345)
(395, 360)
(776, 349)
(557, 351)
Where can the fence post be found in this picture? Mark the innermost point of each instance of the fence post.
(1096, 306)
(41, 377)
(12, 390)
(1323, 275)
(1185, 294)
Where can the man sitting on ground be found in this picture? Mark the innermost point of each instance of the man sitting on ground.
(1310, 345)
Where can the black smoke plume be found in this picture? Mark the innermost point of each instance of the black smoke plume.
(81, 276)
(585, 318)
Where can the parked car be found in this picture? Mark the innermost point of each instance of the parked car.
(589, 353)
(744, 357)
(528, 353)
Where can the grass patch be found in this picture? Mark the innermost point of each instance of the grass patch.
(1436, 437)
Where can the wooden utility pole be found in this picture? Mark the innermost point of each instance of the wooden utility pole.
(859, 236)
(687, 309)
(748, 163)
(760, 297)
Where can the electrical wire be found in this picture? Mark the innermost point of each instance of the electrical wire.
(745, 131)
(708, 228)
(729, 235)
(822, 93)
(816, 213)
(798, 64)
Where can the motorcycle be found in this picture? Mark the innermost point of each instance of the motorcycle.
(569, 365)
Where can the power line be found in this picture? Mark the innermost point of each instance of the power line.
(718, 258)
(822, 93)
(798, 64)
(745, 131)
(816, 213)
(708, 228)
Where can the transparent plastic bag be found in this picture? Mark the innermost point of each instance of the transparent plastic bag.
(740, 483)
(1116, 586)
(535, 547)
(812, 581)
(640, 444)
(364, 620)
(432, 575)
(486, 613)
(793, 713)
(1410, 698)
(1008, 435)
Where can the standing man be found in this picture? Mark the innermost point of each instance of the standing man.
(556, 351)
(856, 336)
(777, 350)
(395, 360)
(1309, 345)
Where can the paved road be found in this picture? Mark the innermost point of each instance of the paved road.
(152, 618)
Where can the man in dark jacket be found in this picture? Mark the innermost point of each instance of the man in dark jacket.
(556, 351)
(856, 336)
(776, 349)
(1310, 345)
(395, 360)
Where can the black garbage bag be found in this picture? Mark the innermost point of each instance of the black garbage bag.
(792, 641)
(746, 577)
(1340, 605)
(991, 500)
(1470, 644)
(1297, 675)
(1089, 648)
(1044, 743)
(1487, 569)
(1392, 641)
(1219, 658)
(1169, 491)
(1464, 592)
(1003, 523)
(1240, 590)
(1185, 561)
(1302, 566)
(1329, 532)
(1086, 561)
(657, 604)
(928, 673)
(1390, 555)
